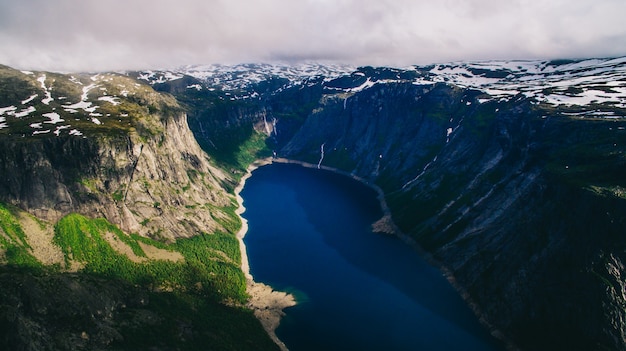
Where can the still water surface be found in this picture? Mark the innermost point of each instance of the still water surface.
(310, 234)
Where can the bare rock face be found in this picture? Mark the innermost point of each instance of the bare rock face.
(163, 187)
(36, 174)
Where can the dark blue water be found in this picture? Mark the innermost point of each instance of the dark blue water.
(310, 234)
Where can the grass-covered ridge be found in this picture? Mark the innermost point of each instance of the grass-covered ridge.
(210, 264)
(13, 243)
(210, 267)
(186, 295)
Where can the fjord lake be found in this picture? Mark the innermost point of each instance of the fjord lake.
(310, 235)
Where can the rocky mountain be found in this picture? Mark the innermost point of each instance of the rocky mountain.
(116, 229)
(509, 175)
(120, 150)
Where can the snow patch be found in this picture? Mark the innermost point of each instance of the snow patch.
(86, 90)
(81, 105)
(96, 121)
(57, 132)
(242, 76)
(48, 99)
(75, 80)
(24, 102)
(75, 132)
(54, 118)
(25, 112)
(368, 84)
(9, 109)
(153, 77)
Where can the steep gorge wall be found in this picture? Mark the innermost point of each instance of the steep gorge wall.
(519, 203)
(498, 194)
(36, 173)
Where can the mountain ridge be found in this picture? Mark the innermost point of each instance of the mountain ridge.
(468, 169)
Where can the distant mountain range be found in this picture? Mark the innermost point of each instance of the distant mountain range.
(593, 82)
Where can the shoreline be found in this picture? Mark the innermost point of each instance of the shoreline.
(266, 303)
(270, 310)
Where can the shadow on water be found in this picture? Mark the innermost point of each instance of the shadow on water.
(344, 236)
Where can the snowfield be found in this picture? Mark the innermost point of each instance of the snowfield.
(564, 83)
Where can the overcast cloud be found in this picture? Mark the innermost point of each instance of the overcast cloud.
(86, 35)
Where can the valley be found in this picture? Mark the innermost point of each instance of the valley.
(508, 176)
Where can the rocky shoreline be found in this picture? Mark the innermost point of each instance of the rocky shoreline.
(268, 304)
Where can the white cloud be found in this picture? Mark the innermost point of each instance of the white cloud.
(75, 35)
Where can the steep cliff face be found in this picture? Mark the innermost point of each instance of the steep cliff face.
(520, 204)
(159, 187)
(36, 174)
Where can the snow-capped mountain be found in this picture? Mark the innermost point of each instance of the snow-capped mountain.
(594, 82)
(243, 76)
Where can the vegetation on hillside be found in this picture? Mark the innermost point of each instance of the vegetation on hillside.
(13, 240)
(204, 292)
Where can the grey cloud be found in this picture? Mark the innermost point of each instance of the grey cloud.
(71, 35)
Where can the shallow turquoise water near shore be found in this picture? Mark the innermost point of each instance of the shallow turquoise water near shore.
(310, 234)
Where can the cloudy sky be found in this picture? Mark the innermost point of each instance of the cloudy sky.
(92, 35)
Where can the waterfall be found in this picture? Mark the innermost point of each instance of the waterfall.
(319, 164)
(419, 175)
(268, 131)
(274, 125)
